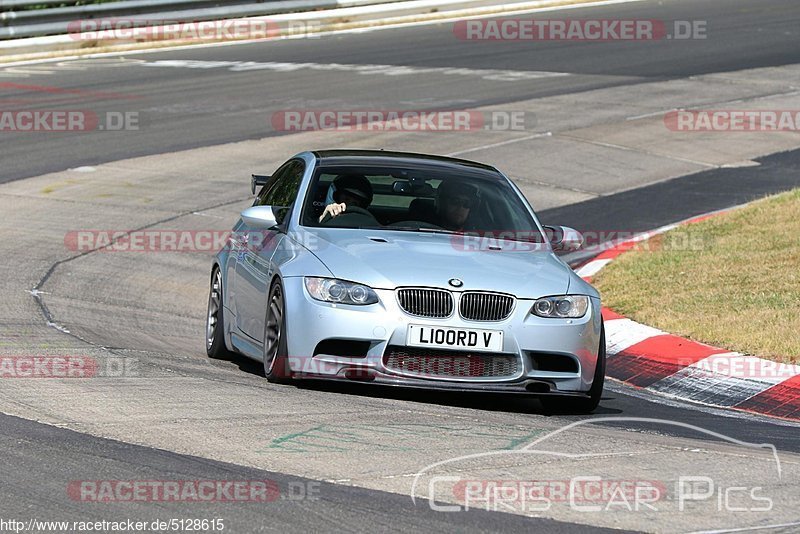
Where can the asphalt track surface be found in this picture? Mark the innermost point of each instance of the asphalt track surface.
(24, 484)
(184, 108)
(681, 198)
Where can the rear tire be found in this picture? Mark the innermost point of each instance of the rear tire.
(215, 320)
(584, 405)
(276, 364)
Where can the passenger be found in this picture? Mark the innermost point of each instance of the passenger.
(454, 203)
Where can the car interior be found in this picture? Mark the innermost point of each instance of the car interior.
(402, 199)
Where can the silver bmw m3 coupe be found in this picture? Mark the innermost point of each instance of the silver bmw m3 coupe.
(409, 270)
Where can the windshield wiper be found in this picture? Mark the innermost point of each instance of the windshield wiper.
(412, 229)
(438, 231)
(533, 239)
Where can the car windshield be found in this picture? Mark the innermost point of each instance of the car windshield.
(419, 200)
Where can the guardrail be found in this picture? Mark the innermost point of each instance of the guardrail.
(91, 10)
(16, 4)
(60, 20)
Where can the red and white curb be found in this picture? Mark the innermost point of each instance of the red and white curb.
(677, 367)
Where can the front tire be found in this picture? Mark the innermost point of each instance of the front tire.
(215, 320)
(276, 365)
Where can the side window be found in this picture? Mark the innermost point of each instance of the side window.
(281, 191)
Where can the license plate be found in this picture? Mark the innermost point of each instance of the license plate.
(454, 338)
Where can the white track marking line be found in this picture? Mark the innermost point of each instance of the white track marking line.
(647, 115)
(501, 143)
(639, 150)
(745, 529)
(367, 69)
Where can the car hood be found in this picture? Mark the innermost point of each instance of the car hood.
(390, 259)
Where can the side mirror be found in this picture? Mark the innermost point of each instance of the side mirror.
(258, 180)
(260, 217)
(564, 238)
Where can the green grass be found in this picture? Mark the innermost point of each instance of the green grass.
(732, 281)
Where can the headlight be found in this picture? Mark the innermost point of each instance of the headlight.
(570, 306)
(340, 291)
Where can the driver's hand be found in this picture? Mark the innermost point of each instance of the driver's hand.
(333, 210)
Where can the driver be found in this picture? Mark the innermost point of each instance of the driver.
(348, 189)
(454, 202)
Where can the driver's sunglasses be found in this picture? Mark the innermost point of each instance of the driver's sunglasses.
(460, 202)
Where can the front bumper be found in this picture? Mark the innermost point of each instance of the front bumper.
(385, 324)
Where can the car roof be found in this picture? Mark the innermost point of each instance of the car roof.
(391, 158)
